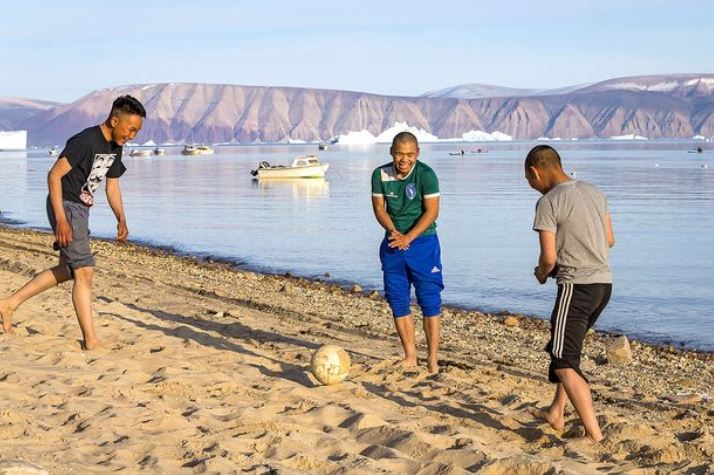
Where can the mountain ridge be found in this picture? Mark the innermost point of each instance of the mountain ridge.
(662, 106)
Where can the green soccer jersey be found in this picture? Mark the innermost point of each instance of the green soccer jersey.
(405, 197)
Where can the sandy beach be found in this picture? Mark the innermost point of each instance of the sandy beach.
(205, 370)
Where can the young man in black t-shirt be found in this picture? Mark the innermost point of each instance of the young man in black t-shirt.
(88, 158)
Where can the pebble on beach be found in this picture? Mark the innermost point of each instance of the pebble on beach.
(618, 351)
(511, 321)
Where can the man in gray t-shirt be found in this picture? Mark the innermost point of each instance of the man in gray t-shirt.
(576, 212)
(575, 234)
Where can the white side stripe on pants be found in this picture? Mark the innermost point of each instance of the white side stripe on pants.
(561, 319)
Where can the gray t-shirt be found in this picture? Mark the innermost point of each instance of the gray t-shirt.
(575, 211)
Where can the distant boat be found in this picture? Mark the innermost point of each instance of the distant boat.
(144, 152)
(471, 152)
(53, 152)
(159, 151)
(322, 146)
(197, 150)
(304, 166)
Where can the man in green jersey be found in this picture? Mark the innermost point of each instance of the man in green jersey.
(405, 200)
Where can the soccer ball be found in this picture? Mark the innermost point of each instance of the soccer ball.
(330, 364)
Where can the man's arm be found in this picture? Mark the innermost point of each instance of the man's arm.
(117, 205)
(610, 232)
(380, 212)
(548, 255)
(63, 230)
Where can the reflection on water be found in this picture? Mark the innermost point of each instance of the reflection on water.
(297, 188)
(661, 199)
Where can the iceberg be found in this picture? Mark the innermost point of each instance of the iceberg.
(421, 134)
(13, 140)
(628, 137)
(500, 136)
(363, 137)
(481, 136)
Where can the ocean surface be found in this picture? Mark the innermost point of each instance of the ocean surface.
(661, 198)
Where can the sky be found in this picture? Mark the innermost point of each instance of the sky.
(61, 51)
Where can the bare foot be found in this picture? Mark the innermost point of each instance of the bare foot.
(432, 365)
(584, 441)
(92, 345)
(6, 312)
(556, 421)
(408, 362)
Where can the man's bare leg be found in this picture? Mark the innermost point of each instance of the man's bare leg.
(432, 328)
(38, 284)
(405, 329)
(578, 392)
(555, 413)
(82, 300)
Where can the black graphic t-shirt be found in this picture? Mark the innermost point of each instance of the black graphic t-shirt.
(92, 158)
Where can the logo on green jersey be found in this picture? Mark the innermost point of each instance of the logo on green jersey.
(411, 190)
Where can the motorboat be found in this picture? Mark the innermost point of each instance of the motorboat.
(304, 166)
(53, 152)
(197, 150)
(141, 152)
(159, 151)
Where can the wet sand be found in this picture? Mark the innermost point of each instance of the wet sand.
(205, 371)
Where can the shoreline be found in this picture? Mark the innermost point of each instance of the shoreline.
(237, 265)
(206, 368)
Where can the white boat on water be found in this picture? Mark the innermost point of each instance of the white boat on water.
(13, 140)
(53, 151)
(197, 150)
(144, 152)
(304, 166)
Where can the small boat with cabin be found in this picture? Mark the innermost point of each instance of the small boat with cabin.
(197, 150)
(304, 166)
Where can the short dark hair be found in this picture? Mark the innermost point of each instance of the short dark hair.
(405, 137)
(542, 157)
(127, 105)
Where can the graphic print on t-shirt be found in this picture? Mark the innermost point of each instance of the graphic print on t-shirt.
(100, 166)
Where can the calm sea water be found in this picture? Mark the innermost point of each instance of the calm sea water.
(661, 199)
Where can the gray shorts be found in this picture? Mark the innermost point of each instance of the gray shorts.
(77, 254)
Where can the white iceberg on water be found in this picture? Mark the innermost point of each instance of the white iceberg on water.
(628, 137)
(481, 136)
(363, 137)
(421, 134)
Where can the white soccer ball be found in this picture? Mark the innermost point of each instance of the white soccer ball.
(330, 364)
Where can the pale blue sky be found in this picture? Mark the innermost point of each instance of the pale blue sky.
(64, 50)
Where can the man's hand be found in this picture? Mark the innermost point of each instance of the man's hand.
(399, 240)
(541, 279)
(122, 231)
(63, 233)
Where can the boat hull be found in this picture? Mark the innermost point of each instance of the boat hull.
(317, 171)
(196, 152)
